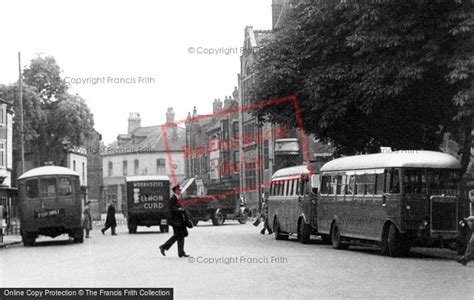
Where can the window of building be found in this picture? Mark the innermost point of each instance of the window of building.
(250, 175)
(83, 172)
(3, 156)
(124, 168)
(110, 169)
(235, 162)
(161, 166)
(136, 167)
(3, 115)
(111, 193)
(74, 165)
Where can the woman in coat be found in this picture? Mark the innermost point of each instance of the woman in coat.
(87, 225)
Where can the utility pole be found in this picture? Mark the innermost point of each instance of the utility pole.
(22, 144)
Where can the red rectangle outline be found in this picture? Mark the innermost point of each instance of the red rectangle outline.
(303, 141)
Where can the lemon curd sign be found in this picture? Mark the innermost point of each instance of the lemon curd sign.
(149, 194)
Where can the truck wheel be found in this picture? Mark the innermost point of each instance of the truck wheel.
(243, 218)
(79, 235)
(28, 238)
(218, 218)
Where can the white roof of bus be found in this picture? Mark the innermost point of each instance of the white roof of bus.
(146, 178)
(412, 158)
(291, 172)
(48, 170)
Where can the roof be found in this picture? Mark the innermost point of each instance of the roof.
(48, 170)
(291, 171)
(405, 158)
(146, 178)
(150, 139)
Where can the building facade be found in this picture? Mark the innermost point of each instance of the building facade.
(142, 151)
(8, 198)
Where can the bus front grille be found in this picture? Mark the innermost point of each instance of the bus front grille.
(444, 213)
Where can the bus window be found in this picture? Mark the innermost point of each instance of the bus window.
(282, 188)
(48, 187)
(379, 188)
(351, 185)
(325, 184)
(370, 184)
(361, 181)
(271, 188)
(340, 184)
(392, 182)
(295, 187)
(412, 181)
(32, 188)
(289, 187)
(64, 186)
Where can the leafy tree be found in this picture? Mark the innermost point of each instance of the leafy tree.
(44, 74)
(54, 120)
(371, 74)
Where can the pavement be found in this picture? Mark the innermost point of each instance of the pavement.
(9, 240)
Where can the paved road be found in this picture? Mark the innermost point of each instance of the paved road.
(233, 261)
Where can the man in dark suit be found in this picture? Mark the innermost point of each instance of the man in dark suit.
(177, 221)
(110, 221)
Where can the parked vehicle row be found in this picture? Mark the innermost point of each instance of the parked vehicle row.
(394, 200)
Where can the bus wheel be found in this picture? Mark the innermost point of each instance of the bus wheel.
(195, 221)
(218, 218)
(28, 238)
(326, 239)
(276, 229)
(336, 238)
(394, 244)
(303, 232)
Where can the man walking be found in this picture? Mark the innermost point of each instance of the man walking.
(110, 221)
(177, 221)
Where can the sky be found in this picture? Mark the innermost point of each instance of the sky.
(134, 56)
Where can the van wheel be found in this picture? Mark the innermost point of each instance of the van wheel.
(336, 239)
(276, 229)
(28, 238)
(243, 218)
(303, 232)
(218, 218)
(79, 236)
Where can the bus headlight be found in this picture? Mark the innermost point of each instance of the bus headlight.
(462, 224)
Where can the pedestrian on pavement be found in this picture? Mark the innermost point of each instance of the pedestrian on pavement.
(177, 221)
(110, 221)
(469, 254)
(87, 225)
(264, 216)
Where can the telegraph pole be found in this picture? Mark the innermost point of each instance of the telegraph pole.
(22, 144)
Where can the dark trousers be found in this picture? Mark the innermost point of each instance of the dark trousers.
(107, 227)
(469, 255)
(178, 236)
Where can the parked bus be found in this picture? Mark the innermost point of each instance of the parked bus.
(148, 201)
(397, 200)
(50, 204)
(292, 203)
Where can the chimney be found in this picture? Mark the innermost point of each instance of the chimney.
(134, 122)
(217, 106)
(170, 115)
(227, 102)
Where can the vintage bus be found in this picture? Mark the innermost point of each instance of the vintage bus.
(397, 200)
(148, 201)
(292, 203)
(50, 204)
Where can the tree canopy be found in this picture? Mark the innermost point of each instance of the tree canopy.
(54, 120)
(397, 73)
